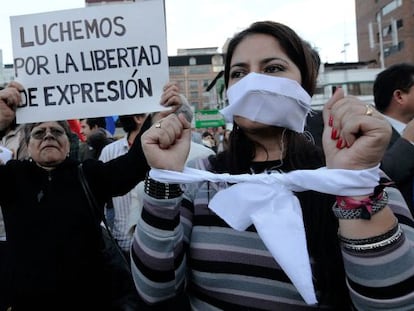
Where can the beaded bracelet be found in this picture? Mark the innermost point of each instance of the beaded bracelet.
(348, 208)
(159, 190)
(373, 244)
(370, 240)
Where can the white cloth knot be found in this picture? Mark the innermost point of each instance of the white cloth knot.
(267, 201)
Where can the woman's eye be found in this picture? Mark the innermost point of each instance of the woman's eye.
(274, 68)
(56, 132)
(237, 74)
(38, 134)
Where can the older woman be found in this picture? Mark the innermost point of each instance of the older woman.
(55, 260)
(237, 247)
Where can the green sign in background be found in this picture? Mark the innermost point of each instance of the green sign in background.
(208, 118)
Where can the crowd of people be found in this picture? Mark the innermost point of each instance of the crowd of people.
(256, 217)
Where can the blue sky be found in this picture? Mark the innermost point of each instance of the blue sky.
(329, 25)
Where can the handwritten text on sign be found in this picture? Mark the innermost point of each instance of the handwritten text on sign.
(91, 62)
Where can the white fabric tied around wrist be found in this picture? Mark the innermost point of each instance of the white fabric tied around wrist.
(267, 201)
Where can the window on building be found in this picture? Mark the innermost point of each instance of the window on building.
(319, 90)
(393, 49)
(193, 84)
(181, 85)
(176, 70)
(199, 69)
(360, 88)
(195, 105)
(192, 61)
(217, 60)
(193, 94)
(206, 97)
(386, 30)
(391, 7)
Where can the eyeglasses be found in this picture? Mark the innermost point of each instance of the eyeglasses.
(41, 133)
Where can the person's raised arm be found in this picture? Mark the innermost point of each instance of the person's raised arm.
(355, 137)
(9, 101)
(166, 143)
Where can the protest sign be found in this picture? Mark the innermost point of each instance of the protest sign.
(96, 61)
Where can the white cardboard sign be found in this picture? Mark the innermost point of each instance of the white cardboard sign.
(96, 61)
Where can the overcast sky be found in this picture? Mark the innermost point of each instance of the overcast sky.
(329, 25)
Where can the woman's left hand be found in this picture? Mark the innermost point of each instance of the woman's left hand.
(170, 98)
(9, 101)
(355, 135)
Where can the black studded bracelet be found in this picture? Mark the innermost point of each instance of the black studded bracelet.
(159, 190)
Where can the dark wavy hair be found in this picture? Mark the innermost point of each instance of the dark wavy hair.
(99, 122)
(298, 50)
(320, 224)
(242, 150)
(128, 122)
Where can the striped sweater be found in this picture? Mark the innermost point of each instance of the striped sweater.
(179, 244)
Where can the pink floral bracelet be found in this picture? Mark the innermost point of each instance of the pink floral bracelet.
(350, 208)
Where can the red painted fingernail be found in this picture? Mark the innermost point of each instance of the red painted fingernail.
(339, 143)
(334, 133)
(330, 122)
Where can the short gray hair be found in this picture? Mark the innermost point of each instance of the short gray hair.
(29, 127)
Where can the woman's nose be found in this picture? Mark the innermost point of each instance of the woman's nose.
(49, 134)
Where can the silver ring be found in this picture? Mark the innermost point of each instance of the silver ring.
(158, 125)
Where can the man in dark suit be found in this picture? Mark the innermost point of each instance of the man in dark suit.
(394, 98)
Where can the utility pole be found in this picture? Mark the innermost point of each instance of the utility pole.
(381, 41)
(344, 50)
(394, 35)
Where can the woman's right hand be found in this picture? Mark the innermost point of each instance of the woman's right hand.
(166, 143)
(9, 101)
(355, 134)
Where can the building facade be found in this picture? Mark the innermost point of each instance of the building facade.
(385, 31)
(198, 71)
(194, 70)
(356, 79)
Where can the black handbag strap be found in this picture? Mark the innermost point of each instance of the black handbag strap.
(91, 198)
(95, 209)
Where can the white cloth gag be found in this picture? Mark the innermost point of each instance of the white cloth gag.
(269, 100)
(267, 201)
